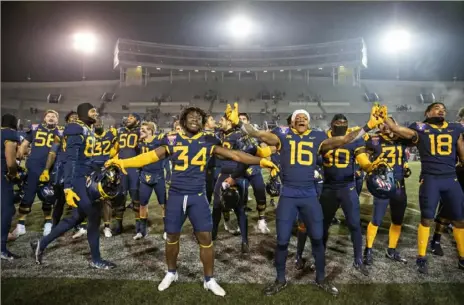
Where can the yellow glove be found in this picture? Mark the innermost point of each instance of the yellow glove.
(266, 163)
(232, 114)
(71, 198)
(376, 163)
(116, 162)
(45, 176)
(378, 116)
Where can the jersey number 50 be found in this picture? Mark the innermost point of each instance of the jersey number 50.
(301, 151)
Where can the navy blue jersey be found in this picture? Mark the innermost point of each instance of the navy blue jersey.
(230, 140)
(80, 143)
(41, 139)
(22, 136)
(8, 135)
(298, 158)
(438, 147)
(214, 161)
(103, 145)
(339, 164)
(393, 151)
(146, 146)
(189, 157)
(128, 140)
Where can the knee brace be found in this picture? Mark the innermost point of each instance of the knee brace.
(24, 209)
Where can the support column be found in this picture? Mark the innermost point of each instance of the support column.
(189, 76)
(170, 77)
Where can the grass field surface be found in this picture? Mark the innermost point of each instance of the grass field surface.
(65, 277)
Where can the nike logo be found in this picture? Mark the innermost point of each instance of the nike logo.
(351, 188)
(201, 142)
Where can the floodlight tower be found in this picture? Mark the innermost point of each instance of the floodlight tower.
(396, 43)
(85, 44)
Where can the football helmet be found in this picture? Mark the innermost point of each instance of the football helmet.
(46, 193)
(230, 198)
(104, 183)
(381, 182)
(273, 187)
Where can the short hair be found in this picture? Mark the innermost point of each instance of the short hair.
(429, 107)
(186, 111)
(245, 115)
(461, 113)
(289, 120)
(51, 111)
(69, 114)
(150, 125)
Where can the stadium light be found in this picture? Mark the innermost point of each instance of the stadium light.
(240, 27)
(396, 41)
(85, 42)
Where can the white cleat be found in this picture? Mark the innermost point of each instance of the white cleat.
(80, 233)
(138, 236)
(107, 232)
(229, 228)
(47, 228)
(165, 236)
(169, 278)
(262, 226)
(20, 230)
(214, 287)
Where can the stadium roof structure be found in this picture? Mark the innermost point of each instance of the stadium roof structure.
(155, 57)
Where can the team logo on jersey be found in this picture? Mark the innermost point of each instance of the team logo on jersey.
(420, 126)
(147, 178)
(172, 139)
(284, 130)
(375, 141)
(60, 132)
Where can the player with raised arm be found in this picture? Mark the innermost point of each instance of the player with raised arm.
(190, 151)
(440, 143)
(299, 147)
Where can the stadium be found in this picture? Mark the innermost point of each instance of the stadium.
(160, 80)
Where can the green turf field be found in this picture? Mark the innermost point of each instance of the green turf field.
(66, 279)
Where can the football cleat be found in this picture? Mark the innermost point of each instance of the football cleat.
(38, 254)
(230, 228)
(19, 230)
(245, 248)
(214, 287)
(138, 236)
(361, 268)
(275, 287)
(262, 226)
(107, 232)
(368, 260)
(169, 278)
(422, 267)
(81, 232)
(7, 255)
(47, 228)
(102, 265)
(300, 263)
(395, 256)
(436, 248)
(327, 287)
(165, 236)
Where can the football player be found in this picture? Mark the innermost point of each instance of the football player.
(127, 146)
(9, 172)
(255, 178)
(190, 152)
(439, 143)
(41, 137)
(151, 176)
(299, 147)
(57, 174)
(80, 141)
(388, 146)
(105, 140)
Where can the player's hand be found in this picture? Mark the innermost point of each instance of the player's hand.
(13, 178)
(317, 175)
(230, 181)
(116, 162)
(71, 198)
(266, 163)
(378, 116)
(45, 176)
(232, 114)
(377, 163)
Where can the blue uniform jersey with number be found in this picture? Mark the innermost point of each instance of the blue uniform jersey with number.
(298, 158)
(189, 157)
(128, 140)
(339, 164)
(438, 147)
(41, 139)
(146, 146)
(80, 142)
(393, 151)
(230, 140)
(8, 135)
(103, 145)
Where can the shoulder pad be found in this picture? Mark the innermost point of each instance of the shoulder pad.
(74, 129)
(171, 133)
(161, 136)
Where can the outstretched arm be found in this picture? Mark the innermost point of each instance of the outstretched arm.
(237, 156)
(335, 142)
(264, 136)
(403, 132)
(141, 160)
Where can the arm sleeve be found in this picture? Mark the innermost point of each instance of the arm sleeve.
(73, 147)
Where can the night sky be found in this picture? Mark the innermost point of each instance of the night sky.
(36, 36)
